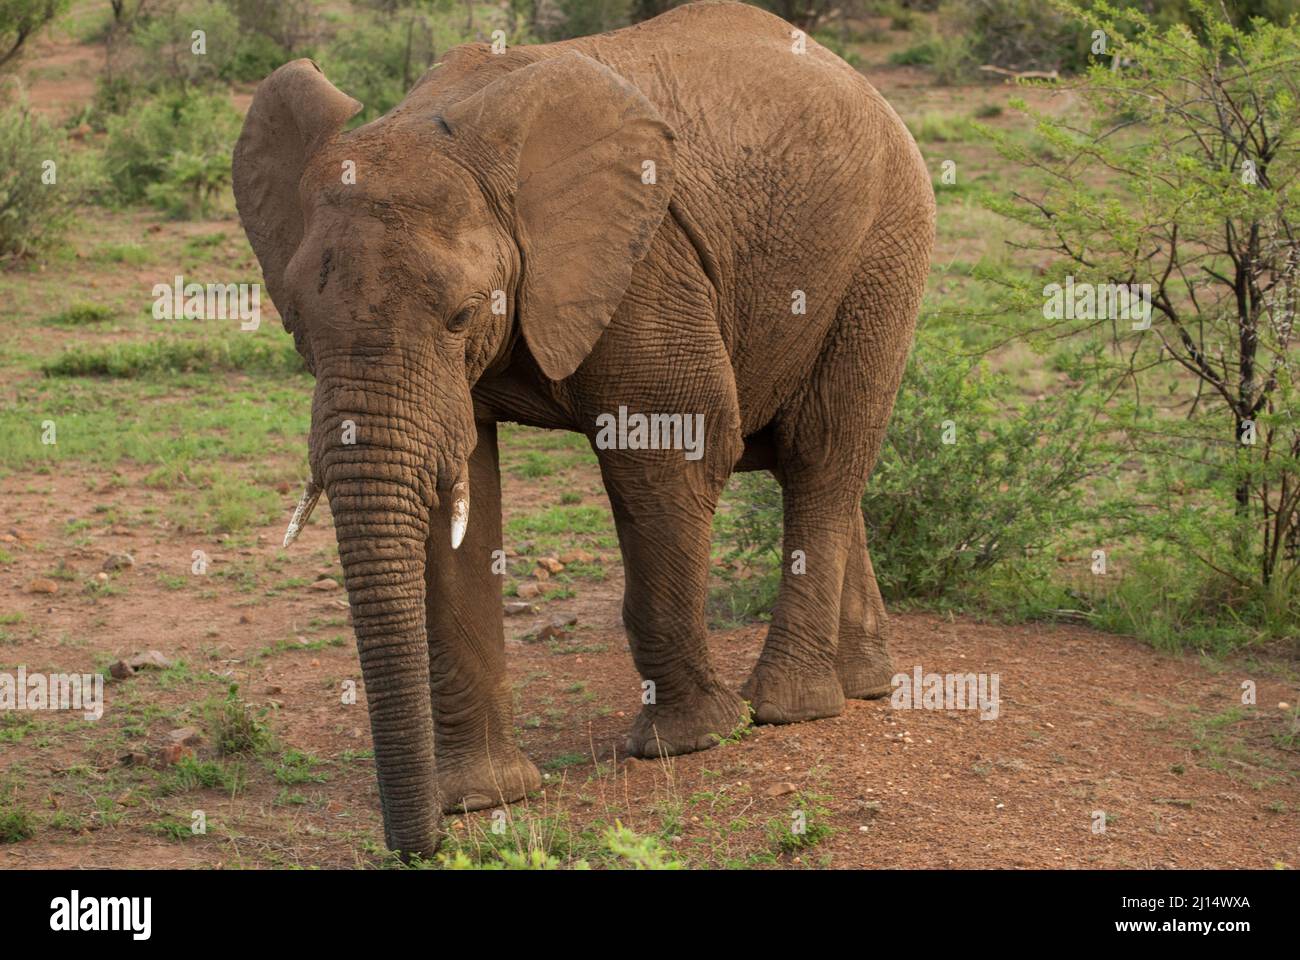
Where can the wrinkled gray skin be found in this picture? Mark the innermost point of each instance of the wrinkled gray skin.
(672, 288)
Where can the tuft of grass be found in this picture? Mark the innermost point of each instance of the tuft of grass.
(933, 127)
(234, 726)
(565, 760)
(191, 774)
(298, 767)
(15, 824)
(132, 254)
(805, 827)
(171, 828)
(155, 357)
(82, 315)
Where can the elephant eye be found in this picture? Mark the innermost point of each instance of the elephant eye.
(461, 320)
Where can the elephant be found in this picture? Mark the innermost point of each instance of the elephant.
(707, 216)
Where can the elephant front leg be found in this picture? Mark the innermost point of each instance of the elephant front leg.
(478, 763)
(664, 522)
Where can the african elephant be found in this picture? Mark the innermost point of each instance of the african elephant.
(702, 215)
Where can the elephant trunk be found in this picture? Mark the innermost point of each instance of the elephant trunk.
(381, 527)
(382, 463)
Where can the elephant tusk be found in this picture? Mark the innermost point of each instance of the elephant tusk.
(302, 512)
(459, 507)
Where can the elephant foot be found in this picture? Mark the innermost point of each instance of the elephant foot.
(685, 726)
(865, 674)
(791, 696)
(487, 781)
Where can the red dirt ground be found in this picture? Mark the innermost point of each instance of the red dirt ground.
(1088, 722)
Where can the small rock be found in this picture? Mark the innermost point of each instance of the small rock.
(133, 759)
(120, 670)
(8, 538)
(102, 577)
(118, 561)
(273, 689)
(150, 658)
(185, 735)
(529, 590)
(550, 564)
(42, 585)
(173, 753)
(245, 618)
(541, 573)
(1284, 705)
(552, 632)
(780, 789)
(515, 608)
(326, 583)
(577, 556)
(561, 622)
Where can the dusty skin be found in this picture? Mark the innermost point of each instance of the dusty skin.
(664, 240)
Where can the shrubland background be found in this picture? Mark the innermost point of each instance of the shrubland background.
(1143, 481)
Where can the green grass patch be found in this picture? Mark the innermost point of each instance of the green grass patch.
(153, 357)
(15, 824)
(82, 315)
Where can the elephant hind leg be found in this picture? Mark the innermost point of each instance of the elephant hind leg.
(825, 640)
(861, 657)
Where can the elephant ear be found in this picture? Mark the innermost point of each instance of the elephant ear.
(578, 140)
(294, 112)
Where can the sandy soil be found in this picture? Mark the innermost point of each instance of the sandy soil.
(1184, 775)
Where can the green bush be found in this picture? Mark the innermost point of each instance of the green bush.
(971, 476)
(1198, 205)
(271, 32)
(173, 152)
(33, 212)
(942, 514)
(1015, 34)
(20, 20)
(379, 58)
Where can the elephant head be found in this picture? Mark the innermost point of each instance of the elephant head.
(407, 257)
